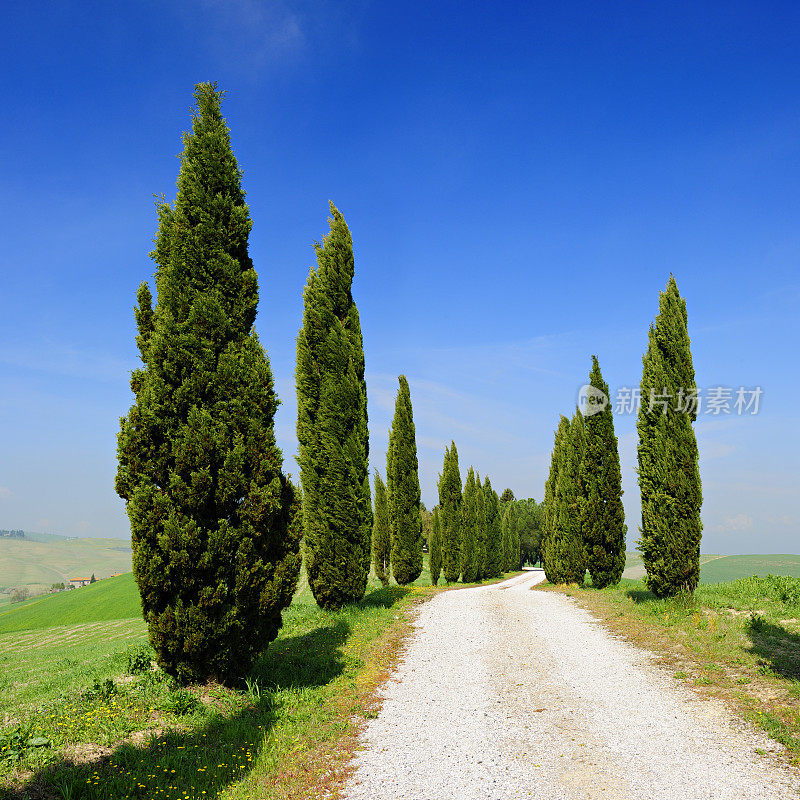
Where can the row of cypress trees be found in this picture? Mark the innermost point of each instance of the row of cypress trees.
(584, 520)
(467, 539)
(216, 525)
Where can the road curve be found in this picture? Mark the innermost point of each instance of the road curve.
(503, 692)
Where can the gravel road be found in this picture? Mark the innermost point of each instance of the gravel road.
(504, 692)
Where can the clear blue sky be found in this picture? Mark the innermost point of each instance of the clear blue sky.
(519, 181)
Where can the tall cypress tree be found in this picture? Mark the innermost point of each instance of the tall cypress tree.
(516, 537)
(493, 565)
(603, 521)
(669, 476)
(435, 547)
(549, 511)
(402, 483)
(332, 426)
(381, 533)
(215, 524)
(480, 530)
(565, 548)
(508, 528)
(469, 523)
(450, 506)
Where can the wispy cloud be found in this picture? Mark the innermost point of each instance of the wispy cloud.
(5, 492)
(735, 524)
(263, 31)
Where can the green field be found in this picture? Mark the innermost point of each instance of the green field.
(719, 569)
(27, 562)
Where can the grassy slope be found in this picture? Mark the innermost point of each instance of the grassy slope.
(24, 561)
(110, 599)
(730, 568)
(739, 641)
(718, 569)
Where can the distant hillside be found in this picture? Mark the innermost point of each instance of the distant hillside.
(114, 598)
(718, 569)
(48, 559)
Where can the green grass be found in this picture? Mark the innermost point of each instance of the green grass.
(57, 559)
(113, 736)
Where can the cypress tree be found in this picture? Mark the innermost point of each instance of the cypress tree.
(381, 534)
(549, 502)
(508, 527)
(516, 536)
(402, 483)
(507, 496)
(450, 506)
(669, 476)
(435, 548)
(215, 524)
(469, 524)
(332, 426)
(493, 566)
(566, 552)
(603, 513)
(480, 530)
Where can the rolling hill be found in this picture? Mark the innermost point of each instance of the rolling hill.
(45, 559)
(718, 568)
(110, 599)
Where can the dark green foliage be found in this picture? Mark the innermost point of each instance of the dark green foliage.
(215, 525)
(509, 526)
(381, 533)
(469, 526)
(565, 551)
(669, 476)
(603, 520)
(507, 496)
(493, 564)
(450, 507)
(435, 547)
(529, 529)
(332, 426)
(480, 529)
(402, 484)
(510, 538)
(549, 502)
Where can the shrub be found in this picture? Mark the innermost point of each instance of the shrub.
(138, 660)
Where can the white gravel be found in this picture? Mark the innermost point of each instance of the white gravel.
(504, 692)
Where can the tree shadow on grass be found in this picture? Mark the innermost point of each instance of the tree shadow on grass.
(173, 765)
(641, 596)
(778, 648)
(306, 660)
(201, 762)
(385, 597)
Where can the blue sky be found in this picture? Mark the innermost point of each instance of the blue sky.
(519, 180)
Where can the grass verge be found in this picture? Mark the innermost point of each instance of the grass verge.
(86, 717)
(737, 641)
